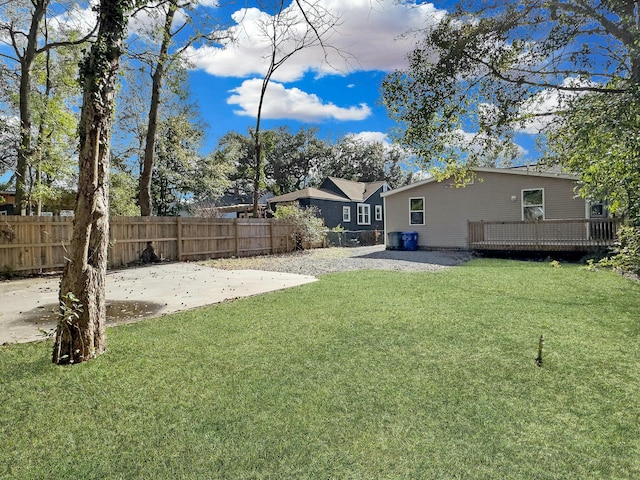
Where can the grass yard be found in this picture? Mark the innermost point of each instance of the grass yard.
(363, 375)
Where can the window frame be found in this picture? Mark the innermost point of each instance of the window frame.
(532, 205)
(412, 211)
(346, 209)
(378, 213)
(366, 217)
(603, 209)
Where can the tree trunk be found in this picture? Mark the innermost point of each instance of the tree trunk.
(80, 334)
(26, 65)
(144, 196)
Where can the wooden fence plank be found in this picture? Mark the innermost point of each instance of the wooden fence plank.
(37, 244)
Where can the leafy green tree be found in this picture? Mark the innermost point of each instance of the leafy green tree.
(484, 72)
(173, 16)
(123, 192)
(51, 172)
(25, 30)
(238, 149)
(295, 159)
(183, 176)
(599, 138)
(363, 161)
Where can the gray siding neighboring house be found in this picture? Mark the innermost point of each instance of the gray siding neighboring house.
(353, 205)
(440, 212)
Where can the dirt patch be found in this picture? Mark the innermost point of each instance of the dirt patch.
(120, 311)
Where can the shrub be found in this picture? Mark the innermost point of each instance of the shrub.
(308, 227)
(627, 255)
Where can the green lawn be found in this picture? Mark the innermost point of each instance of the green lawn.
(362, 375)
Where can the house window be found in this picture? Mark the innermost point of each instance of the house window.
(378, 213)
(364, 214)
(597, 210)
(3, 212)
(346, 214)
(416, 211)
(533, 205)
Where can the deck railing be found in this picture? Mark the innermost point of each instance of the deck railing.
(567, 235)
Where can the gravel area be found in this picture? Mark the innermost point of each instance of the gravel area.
(330, 260)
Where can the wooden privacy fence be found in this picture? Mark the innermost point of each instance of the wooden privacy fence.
(560, 235)
(36, 244)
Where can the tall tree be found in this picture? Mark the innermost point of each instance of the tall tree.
(51, 171)
(158, 69)
(238, 150)
(21, 26)
(295, 159)
(600, 139)
(80, 334)
(172, 27)
(182, 176)
(491, 69)
(286, 30)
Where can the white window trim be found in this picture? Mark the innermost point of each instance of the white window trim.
(522, 205)
(378, 213)
(412, 211)
(346, 210)
(365, 207)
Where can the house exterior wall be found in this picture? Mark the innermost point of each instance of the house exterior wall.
(7, 207)
(492, 197)
(331, 212)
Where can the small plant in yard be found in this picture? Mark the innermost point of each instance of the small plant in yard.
(308, 227)
(8, 272)
(540, 346)
(555, 264)
(68, 312)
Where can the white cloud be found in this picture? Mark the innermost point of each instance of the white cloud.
(371, 33)
(372, 137)
(80, 17)
(477, 142)
(541, 107)
(290, 103)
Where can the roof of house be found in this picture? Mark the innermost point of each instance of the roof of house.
(506, 171)
(353, 191)
(308, 192)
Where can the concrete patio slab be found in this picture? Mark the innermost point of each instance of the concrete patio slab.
(26, 305)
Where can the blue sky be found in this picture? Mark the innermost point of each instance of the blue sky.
(339, 95)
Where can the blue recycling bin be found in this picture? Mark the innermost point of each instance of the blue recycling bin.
(394, 241)
(410, 241)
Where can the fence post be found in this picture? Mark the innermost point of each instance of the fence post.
(273, 243)
(237, 239)
(179, 227)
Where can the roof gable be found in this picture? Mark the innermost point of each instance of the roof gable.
(355, 191)
(351, 191)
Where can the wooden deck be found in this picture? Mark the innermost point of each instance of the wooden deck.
(582, 235)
